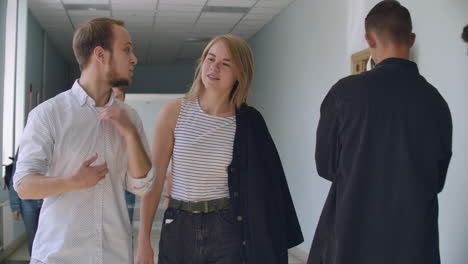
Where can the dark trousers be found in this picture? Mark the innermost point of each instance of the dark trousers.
(200, 238)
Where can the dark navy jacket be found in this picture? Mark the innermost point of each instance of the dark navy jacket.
(259, 193)
(384, 140)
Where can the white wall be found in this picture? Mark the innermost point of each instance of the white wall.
(3, 9)
(21, 70)
(307, 48)
(298, 58)
(8, 107)
(441, 56)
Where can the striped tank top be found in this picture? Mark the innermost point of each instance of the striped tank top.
(203, 148)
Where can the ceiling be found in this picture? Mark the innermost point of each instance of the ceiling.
(163, 31)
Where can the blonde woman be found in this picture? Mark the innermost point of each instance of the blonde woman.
(229, 200)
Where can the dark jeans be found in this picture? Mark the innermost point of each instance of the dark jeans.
(30, 210)
(200, 238)
(130, 201)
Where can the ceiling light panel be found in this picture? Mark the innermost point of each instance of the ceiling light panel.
(273, 3)
(145, 2)
(174, 19)
(180, 8)
(130, 7)
(85, 2)
(231, 3)
(219, 18)
(183, 2)
(126, 13)
(41, 2)
(89, 13)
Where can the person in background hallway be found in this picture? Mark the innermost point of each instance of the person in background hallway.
(119, 94)
(28, 209)
(465, 34)
(230, 201)
(384, 140)
(80, 150)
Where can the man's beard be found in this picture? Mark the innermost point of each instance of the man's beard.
(116, 81)
(119, 82)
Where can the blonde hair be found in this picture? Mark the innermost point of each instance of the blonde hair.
(242, 59)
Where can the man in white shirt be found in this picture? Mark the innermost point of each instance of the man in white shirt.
(80, 150)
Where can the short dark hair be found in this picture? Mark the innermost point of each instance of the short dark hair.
(93, 33)
(391, 21)
(465, 34)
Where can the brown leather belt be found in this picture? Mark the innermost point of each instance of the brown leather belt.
(200, 207)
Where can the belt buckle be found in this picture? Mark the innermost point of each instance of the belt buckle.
(203, 205)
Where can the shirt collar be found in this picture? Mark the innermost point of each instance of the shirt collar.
(84, 98)
(398, 61)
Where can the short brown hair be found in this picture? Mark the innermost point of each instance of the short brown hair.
(391, 21)
(465, 34)
(242, 59)
(93, 33)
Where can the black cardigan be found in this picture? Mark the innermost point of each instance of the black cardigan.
(259, 193)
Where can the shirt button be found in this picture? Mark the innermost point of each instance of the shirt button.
(244, 243)
(236, 194)
(239, 218)
(233, 170)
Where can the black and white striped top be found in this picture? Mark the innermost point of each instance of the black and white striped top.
(202, 152)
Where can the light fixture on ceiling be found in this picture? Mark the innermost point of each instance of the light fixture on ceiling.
(226, 9)
(197, 40)
(87, 7)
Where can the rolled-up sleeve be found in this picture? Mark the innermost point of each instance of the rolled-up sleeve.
(36, 147)
(140, 186)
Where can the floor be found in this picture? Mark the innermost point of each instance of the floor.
(21, 256)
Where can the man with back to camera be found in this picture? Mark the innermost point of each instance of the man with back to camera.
(384, 141)
(79, 151)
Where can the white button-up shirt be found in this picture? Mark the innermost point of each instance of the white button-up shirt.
(87, 226)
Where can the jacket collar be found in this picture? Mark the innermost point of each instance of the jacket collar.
(400, 62)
